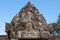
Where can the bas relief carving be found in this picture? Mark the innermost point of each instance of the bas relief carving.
(28, 23)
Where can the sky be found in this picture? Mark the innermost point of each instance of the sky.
(9, 8)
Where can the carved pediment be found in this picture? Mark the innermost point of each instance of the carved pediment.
(28, 23)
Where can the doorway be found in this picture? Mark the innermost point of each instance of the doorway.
(32, 39)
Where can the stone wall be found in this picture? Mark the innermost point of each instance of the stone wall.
(57, 37)
(3, 37)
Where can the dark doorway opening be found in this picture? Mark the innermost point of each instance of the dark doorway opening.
(32, 39)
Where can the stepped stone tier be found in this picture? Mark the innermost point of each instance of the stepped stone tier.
(28, 24)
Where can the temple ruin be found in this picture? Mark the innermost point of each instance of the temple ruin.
(29, 24)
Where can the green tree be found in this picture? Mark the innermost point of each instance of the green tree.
(56, 26)
(58, 21)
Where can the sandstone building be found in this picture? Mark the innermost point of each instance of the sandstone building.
(29, 24)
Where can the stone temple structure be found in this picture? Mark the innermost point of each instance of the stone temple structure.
(29, 24)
